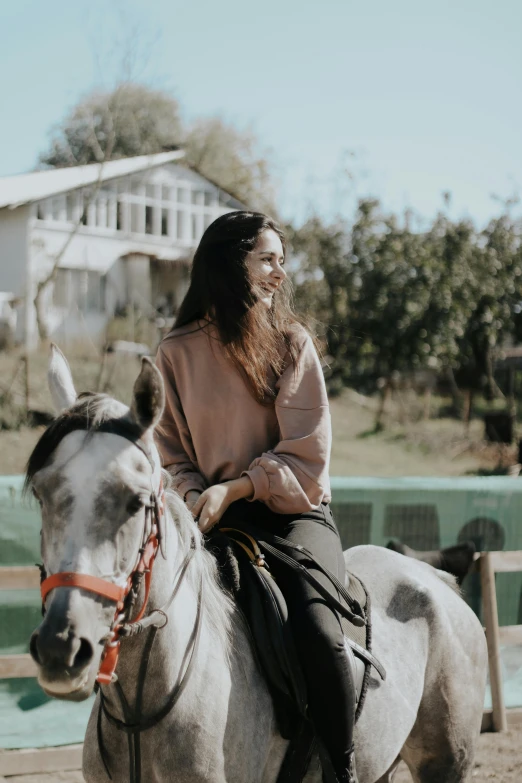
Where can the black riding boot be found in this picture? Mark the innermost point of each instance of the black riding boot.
(350, 775)
(346, 775)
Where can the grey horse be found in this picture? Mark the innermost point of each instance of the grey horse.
(94, 490)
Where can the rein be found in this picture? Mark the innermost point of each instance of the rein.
(125, 598)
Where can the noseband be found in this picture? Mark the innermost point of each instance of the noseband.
(126, 596)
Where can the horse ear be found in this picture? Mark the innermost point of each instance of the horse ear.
(60, 381)
(148, 396)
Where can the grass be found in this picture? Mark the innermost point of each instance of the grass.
(406, 446)
(436, 447)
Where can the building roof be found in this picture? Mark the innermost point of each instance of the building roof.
(25, 188)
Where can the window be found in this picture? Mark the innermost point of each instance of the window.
(120, 216)
(197, 197)
(165, 193)
(183, 196)
(164, 222)
(209, 198)
(149, 220)
(40, 215)
(150, 191)
(207, 220)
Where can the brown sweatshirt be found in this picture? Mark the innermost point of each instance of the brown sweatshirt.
(213, 429)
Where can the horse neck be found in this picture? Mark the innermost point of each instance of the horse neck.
(172, 640)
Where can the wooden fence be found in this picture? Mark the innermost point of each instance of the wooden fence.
(489, 564)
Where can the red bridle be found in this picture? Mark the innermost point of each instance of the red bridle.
(118, 595)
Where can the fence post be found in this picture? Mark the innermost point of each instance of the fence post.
(490, 612)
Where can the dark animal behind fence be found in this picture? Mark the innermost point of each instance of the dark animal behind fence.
(456, 560)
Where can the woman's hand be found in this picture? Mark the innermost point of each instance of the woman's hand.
(214, 501)
(191, 497)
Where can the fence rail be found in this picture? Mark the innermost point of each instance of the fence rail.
(19, 578)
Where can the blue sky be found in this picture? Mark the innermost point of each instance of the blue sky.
(427, 94)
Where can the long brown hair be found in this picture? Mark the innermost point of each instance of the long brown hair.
(256, 339)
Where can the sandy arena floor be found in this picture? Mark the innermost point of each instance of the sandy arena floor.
(499, 759)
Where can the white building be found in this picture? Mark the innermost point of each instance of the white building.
(124, 232)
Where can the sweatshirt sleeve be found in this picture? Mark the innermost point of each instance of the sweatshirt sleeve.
(173, 436)
(293, 477)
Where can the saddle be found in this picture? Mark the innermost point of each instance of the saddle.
(244, 556)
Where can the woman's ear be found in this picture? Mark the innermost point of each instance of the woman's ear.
(148, 397)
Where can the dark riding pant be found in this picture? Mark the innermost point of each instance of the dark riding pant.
(316, 628)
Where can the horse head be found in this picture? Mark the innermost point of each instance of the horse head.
(94, 488)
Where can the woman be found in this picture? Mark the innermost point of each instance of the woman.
(246, 435)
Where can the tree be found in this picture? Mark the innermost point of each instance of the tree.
(497, 286)
(134, 119)
(130, 120)
(233, 160)
(323, 289)
(393, 299)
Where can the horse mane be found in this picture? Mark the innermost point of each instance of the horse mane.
(89, 412)
(217, 602)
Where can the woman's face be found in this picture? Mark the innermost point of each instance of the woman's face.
(265, 265)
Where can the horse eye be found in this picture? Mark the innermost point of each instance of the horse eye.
(134, 505)
(36, 495)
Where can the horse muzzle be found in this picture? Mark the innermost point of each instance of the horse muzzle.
(66, 655)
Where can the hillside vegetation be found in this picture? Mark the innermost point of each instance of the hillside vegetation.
(439, 446)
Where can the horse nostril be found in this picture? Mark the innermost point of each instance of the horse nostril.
(84, 655)
(33, 649)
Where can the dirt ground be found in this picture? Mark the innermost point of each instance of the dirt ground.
(499, 758)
